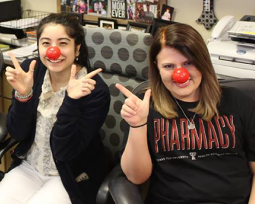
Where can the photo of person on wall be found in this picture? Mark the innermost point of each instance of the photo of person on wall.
(145, 12)
(80, 6)
(98, 7)
(167, 12)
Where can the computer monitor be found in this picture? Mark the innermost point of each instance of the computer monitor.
(158, 23)
(10, 10)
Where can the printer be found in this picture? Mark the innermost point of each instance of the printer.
(232, 47)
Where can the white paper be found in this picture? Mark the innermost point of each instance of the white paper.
(7, 38)
(243, 29)
(21, 23)
(23, 52)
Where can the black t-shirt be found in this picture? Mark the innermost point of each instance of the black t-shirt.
(206, 165)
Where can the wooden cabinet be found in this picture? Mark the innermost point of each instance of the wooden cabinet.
(1, 104)
(7, 89)
(5, 102)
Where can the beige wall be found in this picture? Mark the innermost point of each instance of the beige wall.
(186, 11)
(39, 5)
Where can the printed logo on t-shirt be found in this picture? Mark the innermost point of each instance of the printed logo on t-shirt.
(193, 155)
(174, 135)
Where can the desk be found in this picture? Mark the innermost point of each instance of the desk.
(21, 53)
(8, 62)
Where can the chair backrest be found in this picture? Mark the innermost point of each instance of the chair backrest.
(247, 86)
(124, 57)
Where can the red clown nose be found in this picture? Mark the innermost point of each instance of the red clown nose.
(180, 75)
(53, 53)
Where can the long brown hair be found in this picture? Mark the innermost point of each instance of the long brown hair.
(189, 42)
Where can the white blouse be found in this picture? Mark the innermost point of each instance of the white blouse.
(40, 156)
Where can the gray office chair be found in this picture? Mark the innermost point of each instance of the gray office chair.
(124, 57)
(123, 191)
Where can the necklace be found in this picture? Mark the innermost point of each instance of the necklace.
(191, 124)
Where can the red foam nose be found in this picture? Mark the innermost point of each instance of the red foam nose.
(53, 53)
(180, 75)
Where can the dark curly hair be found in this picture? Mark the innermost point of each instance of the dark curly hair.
(74, 30)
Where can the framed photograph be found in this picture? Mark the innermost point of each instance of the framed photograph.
(98, 7)
(130, 10)
(119, 9)
(90, 24)
(122, 27)
(138, 27)
(145, 12)
(75, 6)
(107, 23)
(167, 12)
(158, 23)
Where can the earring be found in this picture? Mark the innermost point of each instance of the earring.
(77, 57)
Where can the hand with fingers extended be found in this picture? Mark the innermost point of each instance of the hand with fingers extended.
(78, 88)
(134, 110)
(20, 80)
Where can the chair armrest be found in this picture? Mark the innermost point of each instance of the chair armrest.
(124, 191)
(103, 195)
(3, 128)
(6, 145)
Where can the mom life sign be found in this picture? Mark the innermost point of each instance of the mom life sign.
(119, 9)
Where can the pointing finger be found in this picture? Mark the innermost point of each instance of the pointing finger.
(73, 72)
(125, 91)
(14, 61)
(147, 95)
(95, 72)
(32, 66)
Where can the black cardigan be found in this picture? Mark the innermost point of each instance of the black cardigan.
(75, 140)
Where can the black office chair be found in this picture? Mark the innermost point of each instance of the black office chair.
(5, 143)
(103, 196)
(123, 191)
(3, 130)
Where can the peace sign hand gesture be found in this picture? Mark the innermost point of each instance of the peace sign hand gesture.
(135, 111)
(20, 80)
(78, 88)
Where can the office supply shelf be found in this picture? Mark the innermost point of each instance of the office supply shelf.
(30, 18)
(29, 21)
